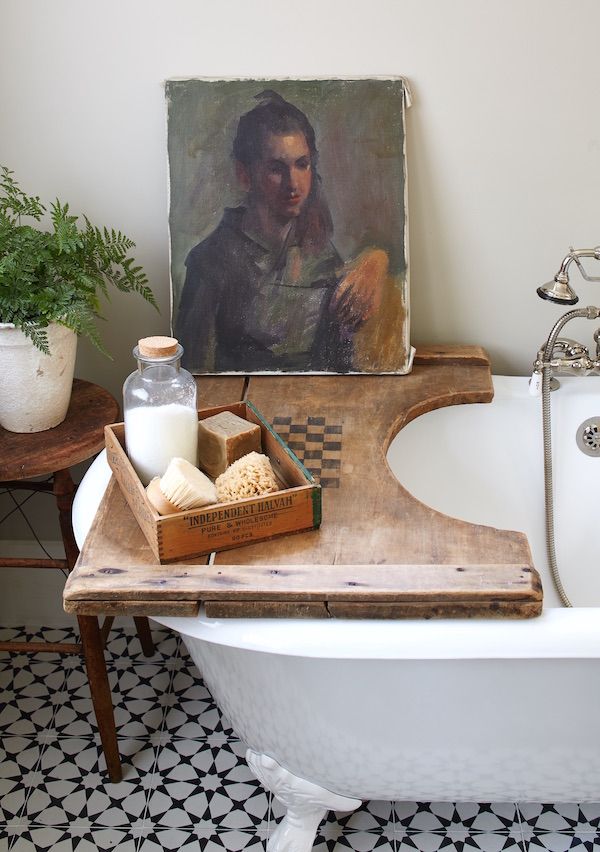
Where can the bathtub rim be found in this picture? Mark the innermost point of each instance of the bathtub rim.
(555, 634)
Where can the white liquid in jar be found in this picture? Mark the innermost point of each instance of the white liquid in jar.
(153, 436)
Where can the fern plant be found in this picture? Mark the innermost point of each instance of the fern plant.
(59, 275)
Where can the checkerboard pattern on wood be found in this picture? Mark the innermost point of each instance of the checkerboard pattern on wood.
(318, 445)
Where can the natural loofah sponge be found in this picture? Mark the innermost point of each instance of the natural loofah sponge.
(250, 476)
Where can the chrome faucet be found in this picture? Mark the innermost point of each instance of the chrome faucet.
(566, 353)
(565, 356)
(561, 354)
(559, 289)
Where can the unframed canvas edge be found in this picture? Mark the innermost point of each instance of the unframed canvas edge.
(407, 103)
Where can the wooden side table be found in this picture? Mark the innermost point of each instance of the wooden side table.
(50, 454)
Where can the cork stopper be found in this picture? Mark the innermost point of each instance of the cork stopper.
(157, 347)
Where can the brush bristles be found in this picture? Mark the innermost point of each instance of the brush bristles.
(187, 487)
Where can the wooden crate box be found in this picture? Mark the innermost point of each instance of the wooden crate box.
(222, 526)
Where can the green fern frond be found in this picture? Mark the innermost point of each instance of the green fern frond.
(13, 199)
(37, 334)
(59, 276)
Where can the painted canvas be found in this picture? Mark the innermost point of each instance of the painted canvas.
(288, 225)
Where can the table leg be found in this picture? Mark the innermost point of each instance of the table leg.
(101, 696)
(64, 491)
(144, 635)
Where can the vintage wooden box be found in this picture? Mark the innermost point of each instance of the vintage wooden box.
(184, 535)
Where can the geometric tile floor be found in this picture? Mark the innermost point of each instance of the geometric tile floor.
(186, 786)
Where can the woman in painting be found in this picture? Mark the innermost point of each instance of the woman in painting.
(267, 290)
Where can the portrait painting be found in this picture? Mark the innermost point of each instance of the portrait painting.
(288, 225)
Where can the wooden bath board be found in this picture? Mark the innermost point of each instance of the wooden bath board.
(379, 553)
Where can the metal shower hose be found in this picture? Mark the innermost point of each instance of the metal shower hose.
(590, 312)
(547, 435)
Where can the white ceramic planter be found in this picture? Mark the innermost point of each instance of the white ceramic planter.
(35, 388)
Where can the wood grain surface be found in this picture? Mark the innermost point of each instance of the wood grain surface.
(79, 436)
(379, 552)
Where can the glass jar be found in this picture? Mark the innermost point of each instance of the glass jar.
(159, 407)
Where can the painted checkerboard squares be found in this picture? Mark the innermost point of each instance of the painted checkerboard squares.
(318, 445)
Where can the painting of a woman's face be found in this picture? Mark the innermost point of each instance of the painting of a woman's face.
(288, 225)
(281, 178)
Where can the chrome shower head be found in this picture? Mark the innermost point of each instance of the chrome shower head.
(559, 290)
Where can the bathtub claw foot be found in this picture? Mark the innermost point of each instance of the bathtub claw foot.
(306, 804)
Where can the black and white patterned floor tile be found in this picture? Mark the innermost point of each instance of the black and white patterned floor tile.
(16, 633)
(372, 823)
(19, 760)
(557, 842)
(447, 816)
(206, 784)
(575, 818)
(191, 711)
(69, 635)
(139, 695)
(73, 787)
(435, 842)
(359, 841)
(34, 633)
(186, 784)
(29, 691)
(375, 816)
(47, 839)
(174, 840)
(123, 643)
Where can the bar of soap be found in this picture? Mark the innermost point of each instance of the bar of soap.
(223, 439)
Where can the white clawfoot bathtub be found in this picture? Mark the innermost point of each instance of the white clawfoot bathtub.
(338, 711)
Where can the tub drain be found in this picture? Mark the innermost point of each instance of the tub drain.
(588, 437)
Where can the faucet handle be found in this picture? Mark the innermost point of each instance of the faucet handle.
(597, 341)
(535, 383)
(570, 350)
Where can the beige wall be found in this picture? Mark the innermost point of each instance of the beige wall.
(503, 137)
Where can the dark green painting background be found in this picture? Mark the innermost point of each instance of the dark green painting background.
(360, 137)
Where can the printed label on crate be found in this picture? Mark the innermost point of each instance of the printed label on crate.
(240, 522)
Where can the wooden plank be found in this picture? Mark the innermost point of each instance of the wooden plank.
(135, 607)
(33, 562)
(349, 609)
(266, 609)
(377, 547)
(367, 515)
(439, 353)
(42, 647)
(126, 580)
(114, 533)
(130, 485)
(437, 609)
(219, 390)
